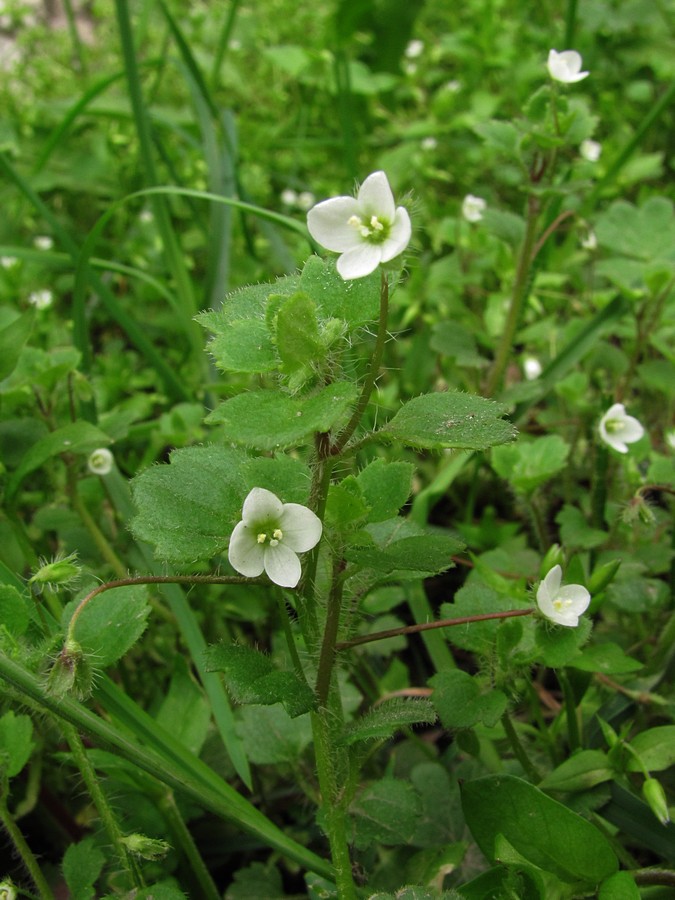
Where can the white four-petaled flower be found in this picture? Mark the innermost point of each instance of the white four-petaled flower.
(270, 536)
(100, 461)
(565, 66)
(366, 230)
(562, 605)
(473, 208)
(618, 429)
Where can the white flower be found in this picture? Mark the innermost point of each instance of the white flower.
(452, 86)
(100, 461)
(590, 150)
(618, 429)
(41, 299)
(590, 242)
(532, 368)
(670, 438)
(565, 66)
(43, 242)
(473, 208)
(429, 143)
(8, 262)
(414, 49)
(289, 197)
(367, 230)
(270, 536)
(306, 200)
(562, 605)
(146, 216)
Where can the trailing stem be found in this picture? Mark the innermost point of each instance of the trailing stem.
(24, 852)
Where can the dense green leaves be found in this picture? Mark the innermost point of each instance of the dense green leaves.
(385, 720)
(460, 701)
(110, 623)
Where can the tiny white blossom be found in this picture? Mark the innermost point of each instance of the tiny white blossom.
(452, 86)
(100, 461)
(414, 49)
(429, 143)
(562, 605)
(43, 242)
(532, 368)
(270, 536)
(41, 299)
(670, 438)
(146, 216)
(366, 230)
(565, 66)
(590, 150)
(8, 262)
(289, 197)
(473, 208)
(618, 429)
(590, 242)
(306, 200)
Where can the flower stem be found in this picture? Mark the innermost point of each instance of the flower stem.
(517, 298)
(516, 745)
(101, 803)
(573, 734)
(330, 632)
(183, 838)
(372, 373)
(25, 853)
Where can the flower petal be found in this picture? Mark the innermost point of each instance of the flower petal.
(245, 554)
(359, 261)
(579, 596)
(261, 504)
(551, 583)
(631, 430)
(328, 223)
(399, 236)
(302, 529)
(282, 565)
(375, 197)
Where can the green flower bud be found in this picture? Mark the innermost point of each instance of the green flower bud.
(602, 576)
(554, 557)
(655, 796)
(71, 673)
(7, 890)
(60, 571)
(145, 847)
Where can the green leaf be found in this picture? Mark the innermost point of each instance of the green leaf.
(646, 233)
(474, 599)
(456, 342)
(655, 747)
(271, 736)
(385, 720)
(385, 486)
(619, 886)
(14, 610)
(558, 646)
(82, 865)
(579, 773)
(185, 711)
(111, 623)
(505, 225)
(575, 530)
(16, 744)
(443, 420)
(461, 703)
(283, 475)
(297, 333)
(501, 136)
(187, 509)
(526, 466)
(251, 677)
(79, 437)
(543, 831)
(397, 545)
(356, 302)
(386, 813)
(12, 339)
(244, 346)
(607, 658)
(256, 881)
(269, 420)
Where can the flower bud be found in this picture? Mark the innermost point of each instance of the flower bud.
(655, 796)
(58, 572)
(71, 673)
(554, 557)
(7, 890)
(602, 576)
(145, 847)
(100, 461)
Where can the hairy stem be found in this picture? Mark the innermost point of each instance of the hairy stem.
(25, 853)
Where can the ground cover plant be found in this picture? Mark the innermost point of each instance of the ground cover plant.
(337, 439)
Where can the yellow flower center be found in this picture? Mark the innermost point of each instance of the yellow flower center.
(375, 230)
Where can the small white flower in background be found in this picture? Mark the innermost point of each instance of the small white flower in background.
(562, 605)
(590, 150)
(289, 197)
(618, 429)
(100, 461)
(473, 208)
(429, 143)
(8, 262)
(590, 242)
(146, 216)
(532, 368)
(670, 439)
(414, 49)
(409, 67)
(305, 200)
(565, 66)
(270, 536)
(43, 242)
(366, 230)
(41, 299)
(452, 86)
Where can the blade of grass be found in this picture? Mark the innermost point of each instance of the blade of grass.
(223, 801)
(223, 41)
(172, 383)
